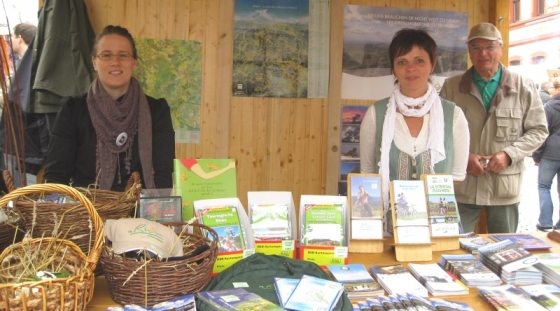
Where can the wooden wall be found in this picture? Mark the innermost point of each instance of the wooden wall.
(279, 144)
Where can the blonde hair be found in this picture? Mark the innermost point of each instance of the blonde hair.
(556, 83)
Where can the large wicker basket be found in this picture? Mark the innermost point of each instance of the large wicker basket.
(73, 219)
(148, 283)
(18, 292)
(12, 230)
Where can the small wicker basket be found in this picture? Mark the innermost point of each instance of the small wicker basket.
(72, 218)
(147, 283)
(18, 292)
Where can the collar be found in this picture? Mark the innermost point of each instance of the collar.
(507, 81)
(496, 77)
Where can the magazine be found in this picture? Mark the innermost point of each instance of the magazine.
(396, 279)
(549, 264)
(236, 299)
(469, 270)
(225, 221)
(314, 294)
(527, 241)
(472, 244)
(270, 222)
(438, 282)
(358, 283)
(505, 256)
(366, 206)
(284, 288)
(546, 295)
(410, 215)
(507, 297)
(442, 206)
(200, 179)
(324, 225)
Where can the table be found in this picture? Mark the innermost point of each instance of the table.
(101, 298)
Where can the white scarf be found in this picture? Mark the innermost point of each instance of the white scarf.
(412, 107)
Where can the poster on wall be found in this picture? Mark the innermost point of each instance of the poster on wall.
(368, 31)
(280, 48)
(351, 120)
(172, 69)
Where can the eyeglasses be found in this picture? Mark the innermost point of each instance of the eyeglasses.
(477, 48)
(108, 56)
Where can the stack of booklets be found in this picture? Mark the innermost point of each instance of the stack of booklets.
(507, 297)
(505, 257)
(527, 241)
(549, 264)
(236, 299)
(358, 283)
(436, 280)
(469, 270)
(472, 244)
(546, 295)
(408, 302)
(524, 276)
(396, 279)
(310, 293)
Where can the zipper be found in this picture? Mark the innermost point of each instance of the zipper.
(289, 267)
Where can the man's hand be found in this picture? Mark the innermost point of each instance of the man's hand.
(475, 165)
(498, 162)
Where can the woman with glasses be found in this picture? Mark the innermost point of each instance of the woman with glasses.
(414, 131)
(114, 129)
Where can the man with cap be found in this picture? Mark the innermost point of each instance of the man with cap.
(506, 123)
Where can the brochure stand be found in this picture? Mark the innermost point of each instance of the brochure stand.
(410, 225)
(445, 243)
(365, 202)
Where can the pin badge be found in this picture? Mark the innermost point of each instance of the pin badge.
(121, 139)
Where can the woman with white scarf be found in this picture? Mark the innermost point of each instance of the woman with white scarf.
(414, 131)
(113, 130)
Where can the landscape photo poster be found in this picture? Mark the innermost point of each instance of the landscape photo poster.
(368, 31)
(279, 48)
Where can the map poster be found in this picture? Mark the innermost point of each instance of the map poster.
(279, 48)
(368, 31)
(172, 69)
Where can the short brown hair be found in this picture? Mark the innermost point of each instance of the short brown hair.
(26, 31)
(556, 83)
(405, 39)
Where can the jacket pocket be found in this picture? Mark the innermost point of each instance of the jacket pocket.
(507, 186)
(508, 121)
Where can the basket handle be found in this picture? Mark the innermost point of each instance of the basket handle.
(95, 252)
(133, 180)
(8, 180)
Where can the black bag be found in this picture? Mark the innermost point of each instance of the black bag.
(258, 272)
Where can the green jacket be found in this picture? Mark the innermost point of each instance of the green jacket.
(62, 55)
(515, 124)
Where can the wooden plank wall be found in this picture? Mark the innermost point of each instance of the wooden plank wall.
(279, 144)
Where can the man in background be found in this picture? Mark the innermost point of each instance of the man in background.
(506, 123)
(22, 39)
(544, 93)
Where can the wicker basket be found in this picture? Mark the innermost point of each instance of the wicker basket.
(12, 230)
(73, 218)
(70, 293)
(141, 283)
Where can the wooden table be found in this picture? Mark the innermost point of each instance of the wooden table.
(101, 298)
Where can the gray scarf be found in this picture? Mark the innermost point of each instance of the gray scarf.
(113, 120)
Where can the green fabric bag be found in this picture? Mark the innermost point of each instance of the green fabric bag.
(258, 272)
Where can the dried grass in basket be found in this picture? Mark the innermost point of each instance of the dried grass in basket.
(149, 282)
(72, 217)
(20, 260)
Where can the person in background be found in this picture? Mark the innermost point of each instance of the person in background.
(115, 129)
(18, 95)
(414, 131)
(544, 93)
(547, 158)
(506, 123)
